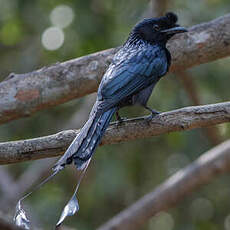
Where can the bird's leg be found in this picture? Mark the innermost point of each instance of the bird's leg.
(153, 112)
(118, 117)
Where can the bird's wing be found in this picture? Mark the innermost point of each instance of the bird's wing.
(131, 73)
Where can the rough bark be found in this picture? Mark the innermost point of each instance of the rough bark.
(177, 120)
(23, 94)
(211, 164)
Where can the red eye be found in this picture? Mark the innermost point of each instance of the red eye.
(156, 27)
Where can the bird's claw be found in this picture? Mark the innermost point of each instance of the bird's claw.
(152, 115)
(120, 120)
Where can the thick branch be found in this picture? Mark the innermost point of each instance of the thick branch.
(176, 120)
(23, 94)
(204, 169)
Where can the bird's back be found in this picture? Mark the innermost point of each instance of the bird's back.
(133, 68)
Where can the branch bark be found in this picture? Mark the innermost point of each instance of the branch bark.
(23, 94)
(211, 164)
(177, 120)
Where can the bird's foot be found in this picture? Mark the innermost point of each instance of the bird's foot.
(119, 118)
(120, 121)
(152, 115)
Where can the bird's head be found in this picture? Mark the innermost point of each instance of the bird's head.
(157, 30)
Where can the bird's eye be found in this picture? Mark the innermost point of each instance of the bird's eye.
(156, 27)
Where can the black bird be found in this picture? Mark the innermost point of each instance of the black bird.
(130, 79)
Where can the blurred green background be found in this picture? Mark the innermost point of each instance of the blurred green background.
(38, 33)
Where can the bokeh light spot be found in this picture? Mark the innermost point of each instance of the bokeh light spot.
(162, 221)
(52, 38)
(62, 16)
(227, 223)
(201, 209)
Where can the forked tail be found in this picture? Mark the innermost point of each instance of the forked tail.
(85, 143)
(80, 151)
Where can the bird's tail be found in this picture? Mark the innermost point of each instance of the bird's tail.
(80, 151)
(85, 143)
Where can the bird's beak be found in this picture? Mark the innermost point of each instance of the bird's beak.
(175, 30)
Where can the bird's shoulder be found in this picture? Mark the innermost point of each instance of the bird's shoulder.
(129, 54)
(144, 60)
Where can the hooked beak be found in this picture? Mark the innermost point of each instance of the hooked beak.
(175, 30)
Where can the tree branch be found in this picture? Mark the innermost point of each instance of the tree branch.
(177, 120)
(24, 94)
(204, 169)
